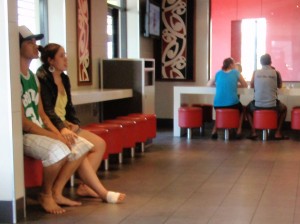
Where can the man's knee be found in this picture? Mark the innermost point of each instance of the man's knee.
(282, 108)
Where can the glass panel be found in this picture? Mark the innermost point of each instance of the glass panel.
(280, 32)
(109, 30)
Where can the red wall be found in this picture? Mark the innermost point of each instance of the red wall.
(283, 31)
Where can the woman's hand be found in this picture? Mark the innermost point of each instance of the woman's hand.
(73, 127)
(69, 136)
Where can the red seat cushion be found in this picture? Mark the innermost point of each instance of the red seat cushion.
(265, 119)
(190, 117)
(227, 118)
(141, 125)
(129, 137)
(115, 142)
(295, 119)
(33, 172)
(151, 122)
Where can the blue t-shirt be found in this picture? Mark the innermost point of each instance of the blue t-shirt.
(226, 88)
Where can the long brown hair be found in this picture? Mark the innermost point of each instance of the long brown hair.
(49, 51)
(227, 62)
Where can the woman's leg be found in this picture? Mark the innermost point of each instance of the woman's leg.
(96, 154)
(95, 157)
(242, 115)
(89, 177)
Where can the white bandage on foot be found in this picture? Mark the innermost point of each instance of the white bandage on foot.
(112, 197)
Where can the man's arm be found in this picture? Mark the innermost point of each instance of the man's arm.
(32, 128)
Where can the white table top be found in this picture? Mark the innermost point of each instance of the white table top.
(99, 95)
(243, 91)
(205, 90)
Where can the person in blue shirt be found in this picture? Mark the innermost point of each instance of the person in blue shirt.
(226, 82)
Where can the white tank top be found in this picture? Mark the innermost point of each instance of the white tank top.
(265, 87)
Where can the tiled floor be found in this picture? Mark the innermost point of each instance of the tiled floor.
(198, 181)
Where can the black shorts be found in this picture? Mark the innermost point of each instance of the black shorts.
(280, 107)
(237, 106)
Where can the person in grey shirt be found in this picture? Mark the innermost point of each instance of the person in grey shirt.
(265, 82)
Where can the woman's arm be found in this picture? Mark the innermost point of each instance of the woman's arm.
(71, 115)
(242, 81)
(47, 96)
(211, 82)
(66, 137)
(252, 81)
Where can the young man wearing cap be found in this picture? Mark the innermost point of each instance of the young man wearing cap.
(265, 82)
(41, 139)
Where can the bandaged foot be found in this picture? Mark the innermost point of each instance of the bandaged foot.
(114, 197)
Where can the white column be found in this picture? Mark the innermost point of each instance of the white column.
(11, 160)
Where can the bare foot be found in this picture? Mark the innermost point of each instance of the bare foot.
(61, 200)
(85, 191)
(121, 198)
(49, 204)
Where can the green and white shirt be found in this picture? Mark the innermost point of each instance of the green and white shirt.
(30, 98)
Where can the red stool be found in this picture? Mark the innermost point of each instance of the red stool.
(227, 118)
(151, 121)
(265, 120)
(295, 118)
(33, 172)
(190, 117)
(207, 110)
(116, 138)
(103, 133)
(129, 133)
(141, 129)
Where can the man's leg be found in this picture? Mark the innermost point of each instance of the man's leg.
(282, 111)
(249, 113)
(64, 175)
(46, 198)
(53, 155)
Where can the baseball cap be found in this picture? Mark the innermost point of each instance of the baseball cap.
(26, 34)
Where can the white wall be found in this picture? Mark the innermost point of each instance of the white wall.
(57, 22)
(133, 29)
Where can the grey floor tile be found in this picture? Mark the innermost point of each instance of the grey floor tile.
(197, 181)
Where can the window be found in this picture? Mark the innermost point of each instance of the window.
(253, 45)
(28, 15)
(115, 2)
(266, 28)
(116, 29)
